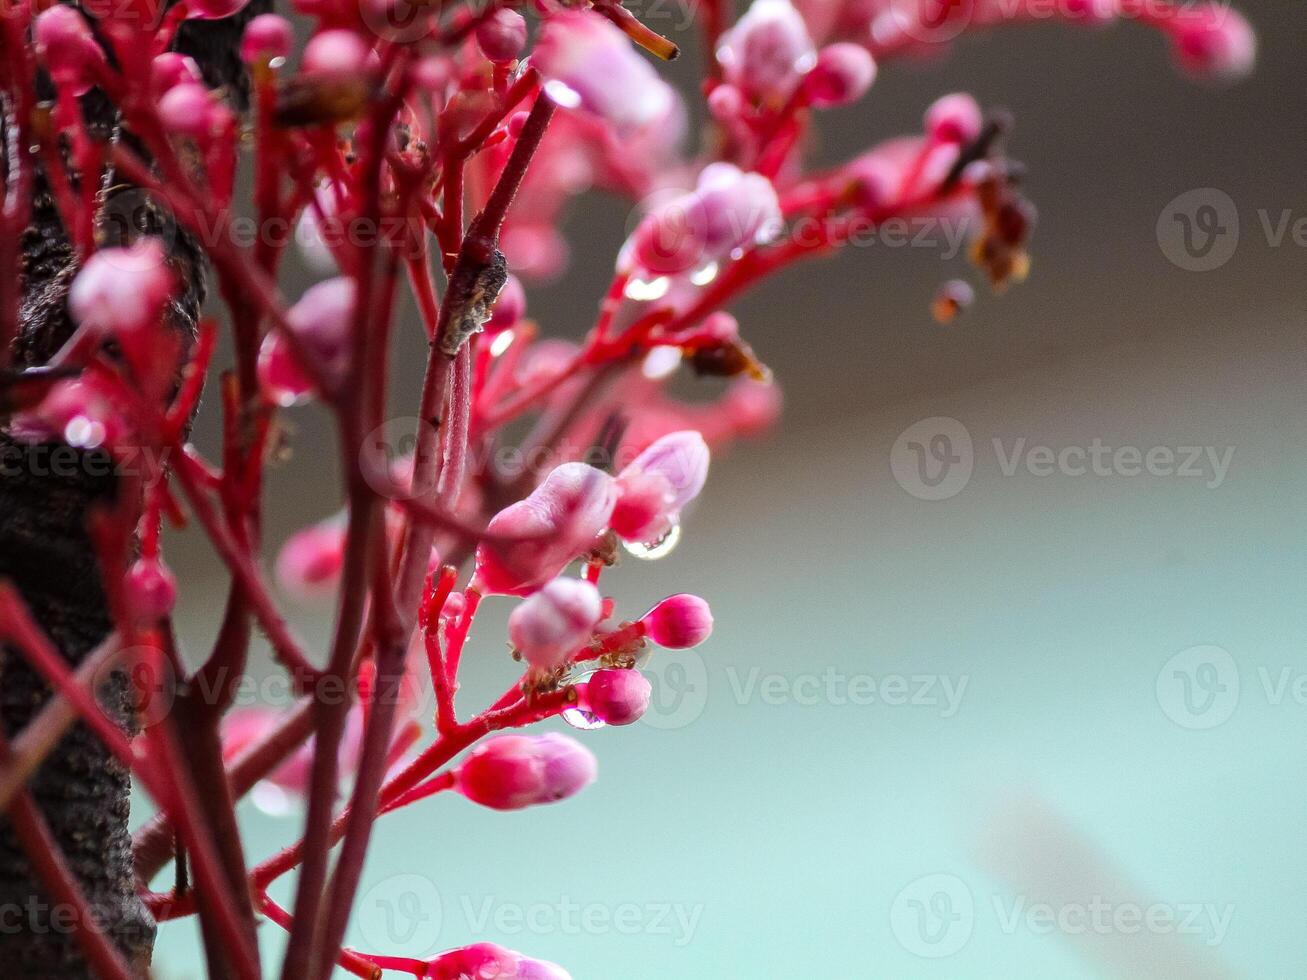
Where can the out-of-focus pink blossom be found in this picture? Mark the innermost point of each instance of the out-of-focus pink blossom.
(321, 319)
(511, 772)
(767, 51)
(843, 74)
(502, 35)
(553, 622)
(309, 563)
(65, 45)
(78, 411)
(555, 524)
(954, 118)
(189, 109)
(590, 64)
(679, 622)
(728, 210)
(488, 961)
(150, 589)
(1212, 41)
(213, 9)
(337, 54)
(656, 486)
(266, 37)
(617, 697)
(170, 69)
(122, 291)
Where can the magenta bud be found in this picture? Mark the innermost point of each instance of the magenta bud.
(767, 51)
(617, 697)
(310, 561)
(569, 766)
(954, 118)
(65, 45)
(266, 37)
(321, 319)
(189, 109)
(553, 622)
(150, 589)
(843, 74)
(658, 484)
(489, 961)
(511, 772)
(502, 35)
(337, 55)
(170, 69)
(1213, 41)
(679, 622)
(213, 9)
(591, 65)
(558, 522)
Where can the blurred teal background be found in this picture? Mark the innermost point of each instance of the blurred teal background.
(952, 739)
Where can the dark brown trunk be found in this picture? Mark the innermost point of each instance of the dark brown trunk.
(81, 789)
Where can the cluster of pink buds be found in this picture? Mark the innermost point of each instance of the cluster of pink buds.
(435, 148)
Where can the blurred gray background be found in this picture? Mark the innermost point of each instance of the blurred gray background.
(985, 736)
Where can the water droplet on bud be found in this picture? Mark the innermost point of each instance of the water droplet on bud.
(653, 550)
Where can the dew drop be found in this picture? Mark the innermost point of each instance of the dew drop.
(646, 292)
(653, 550)
(582, 720)
(704, 274)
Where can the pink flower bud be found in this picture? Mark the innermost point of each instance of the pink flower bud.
(170, 69)
(1213, 42)
(590, 64)
(337, 55)
(121, 291)
(954, 118)
(618, 697)
(266, 37)
(752, 407)
(767, 51)
(728, 210)
(569, 766)
(510, 306)
(553, 622)
(310, 561)
(679, 622)
(502, 35)
(213, 9)
(77, 411)
(150, 589)
(843, 74)
(658, 484)
(321, 319)
(511, 772)
(556, 523)
(189, 110)
(488, 961)
(726, 103)
(66, 46)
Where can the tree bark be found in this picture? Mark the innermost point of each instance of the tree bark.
(45, 551)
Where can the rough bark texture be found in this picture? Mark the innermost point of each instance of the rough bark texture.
(44, 550)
